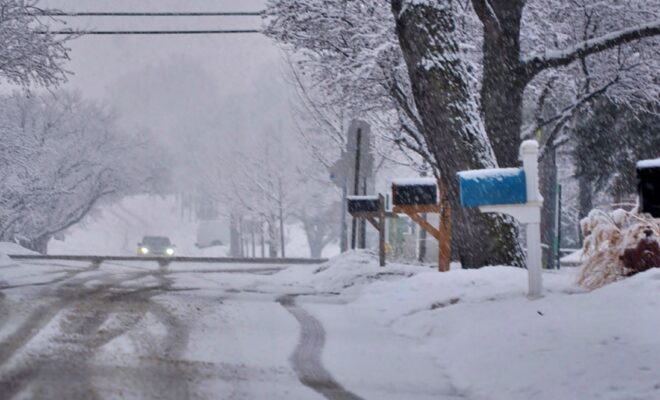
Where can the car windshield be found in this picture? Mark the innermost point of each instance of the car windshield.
(156, 241)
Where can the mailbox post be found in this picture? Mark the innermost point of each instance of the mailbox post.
(514, 192)
(415, 197)
(372, 208)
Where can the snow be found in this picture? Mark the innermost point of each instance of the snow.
(415, 181)
(489, 173)
(569, 344)
(575, 258)
(356, 197)
(13, 248)
(648, 163)
(403, 331)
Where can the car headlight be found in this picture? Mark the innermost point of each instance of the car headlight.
(169, 251)
(144, 250)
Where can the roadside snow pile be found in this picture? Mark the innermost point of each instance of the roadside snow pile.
(494, 343)
(602, 344)
(13, 248)
(346, 273)
(7, 248)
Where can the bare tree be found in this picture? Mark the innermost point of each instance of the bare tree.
(61, 156)
(29, 53)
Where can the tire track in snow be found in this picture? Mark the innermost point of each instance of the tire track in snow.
(306, 358)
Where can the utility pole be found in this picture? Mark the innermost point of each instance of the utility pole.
(282, 244)
(362, 237)
(558, 229)
(356, 184)
(343, 240)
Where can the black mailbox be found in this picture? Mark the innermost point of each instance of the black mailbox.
(648, 173)
(358, 204)
(415, 192)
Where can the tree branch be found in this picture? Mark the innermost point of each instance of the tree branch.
(486, 13)
(552, 59)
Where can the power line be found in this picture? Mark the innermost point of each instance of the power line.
(153, 32)
(51, 13)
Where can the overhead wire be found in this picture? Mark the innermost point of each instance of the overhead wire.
(55, 13)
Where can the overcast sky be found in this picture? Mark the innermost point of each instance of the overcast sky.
(235, 61)
(215, 88)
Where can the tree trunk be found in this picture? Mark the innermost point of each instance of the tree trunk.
(502, 84)
(234, 245)
(452, 126)
(315, 249)
(548, 188)
(585, 197)
(272, 236)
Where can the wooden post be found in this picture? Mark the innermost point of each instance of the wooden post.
(372, 209)
(381, 230)
(444, 241)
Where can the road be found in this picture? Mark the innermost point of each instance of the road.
(137, 330)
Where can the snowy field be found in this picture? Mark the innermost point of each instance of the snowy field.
(346, 329)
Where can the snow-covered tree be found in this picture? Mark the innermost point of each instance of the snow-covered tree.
(510, 51)
(61, 156)
(29, 53)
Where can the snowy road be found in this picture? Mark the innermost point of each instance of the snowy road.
(127, 330)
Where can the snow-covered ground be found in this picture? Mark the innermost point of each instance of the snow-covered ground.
(488, 341)
(344, 329)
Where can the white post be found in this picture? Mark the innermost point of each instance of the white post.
(529, 153)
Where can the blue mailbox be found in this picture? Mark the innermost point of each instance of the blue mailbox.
(514, 192)
(492, 187)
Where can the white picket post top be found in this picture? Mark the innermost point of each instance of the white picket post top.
(529, 152)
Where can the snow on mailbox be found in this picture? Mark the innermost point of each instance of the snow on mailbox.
(492, 186)
(415, 192)
(362, 204)
(648, 174)
(515, 192)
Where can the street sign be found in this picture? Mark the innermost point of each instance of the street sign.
(342, 172)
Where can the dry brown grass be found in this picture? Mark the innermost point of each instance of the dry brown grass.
(607, 235)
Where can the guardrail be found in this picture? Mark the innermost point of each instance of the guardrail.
(168, 260)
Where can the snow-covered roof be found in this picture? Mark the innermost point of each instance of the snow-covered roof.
(364, 197)
(648, 163)
(425, 181)
(489, 173)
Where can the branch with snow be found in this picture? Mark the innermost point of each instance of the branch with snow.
(553, 59)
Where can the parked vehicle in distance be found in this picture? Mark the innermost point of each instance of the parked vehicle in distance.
(156, 246)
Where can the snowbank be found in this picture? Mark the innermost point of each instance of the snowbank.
(347, 273)
(13, 248)
(493, 342)
(7, 248)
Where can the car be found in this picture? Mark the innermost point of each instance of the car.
(156, 246)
